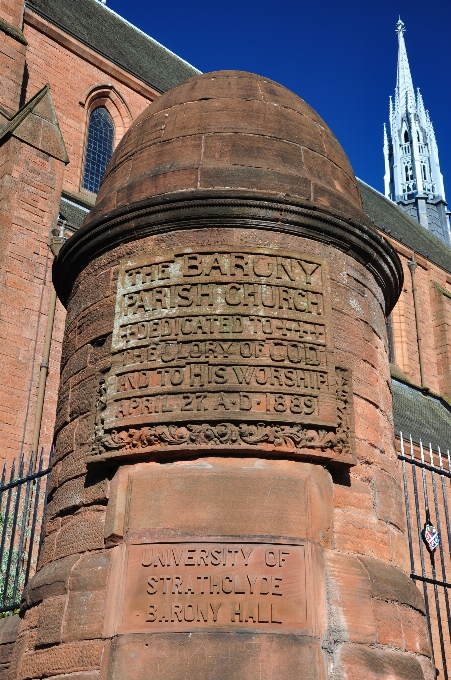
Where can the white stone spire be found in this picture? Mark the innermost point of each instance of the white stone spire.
(412, 171)
(405, 93)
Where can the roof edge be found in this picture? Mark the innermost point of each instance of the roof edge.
(65, 30)
(149, 37)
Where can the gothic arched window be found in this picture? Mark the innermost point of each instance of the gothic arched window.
(406, 136)
(98, 149)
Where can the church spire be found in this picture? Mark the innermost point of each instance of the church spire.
(405, 93)
(412, 171)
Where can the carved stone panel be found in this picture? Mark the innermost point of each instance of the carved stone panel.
(228, 349)
(239, 586)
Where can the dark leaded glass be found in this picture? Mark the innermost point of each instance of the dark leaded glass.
(99, 149)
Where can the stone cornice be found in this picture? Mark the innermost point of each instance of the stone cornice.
(13, 32)
(200, 209)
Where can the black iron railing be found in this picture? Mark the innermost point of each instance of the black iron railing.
(428, 525)
(23, 497)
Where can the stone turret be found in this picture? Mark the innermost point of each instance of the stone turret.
(225, 498)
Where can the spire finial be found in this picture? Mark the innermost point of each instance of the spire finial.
(400, 27)
(404, 86)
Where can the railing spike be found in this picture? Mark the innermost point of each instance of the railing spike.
(13, 470)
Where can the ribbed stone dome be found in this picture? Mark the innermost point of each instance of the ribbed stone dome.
(229, 150)
(229, 130)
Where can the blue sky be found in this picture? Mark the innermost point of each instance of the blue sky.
(340, 56)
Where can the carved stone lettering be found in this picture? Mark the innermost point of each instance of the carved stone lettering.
(224, 348)
(228, 586)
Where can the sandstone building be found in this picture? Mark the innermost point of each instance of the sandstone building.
(202, 167)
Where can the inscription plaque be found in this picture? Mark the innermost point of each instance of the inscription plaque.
(187, 586)
(224, 348)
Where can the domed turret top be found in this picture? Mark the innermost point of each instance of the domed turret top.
(235, 130)
(235, 150)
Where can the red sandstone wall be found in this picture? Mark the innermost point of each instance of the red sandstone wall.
(29, 202)
(434, 309)
(12, 12)
(12, 55)
(31, 186)
(71, 77)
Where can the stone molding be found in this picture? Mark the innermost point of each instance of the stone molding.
(200, 209)
(36, 124)
(13, 32)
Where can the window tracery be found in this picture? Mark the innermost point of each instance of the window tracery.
(99, 148)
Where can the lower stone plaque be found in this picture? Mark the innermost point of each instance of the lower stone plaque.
(229, 586)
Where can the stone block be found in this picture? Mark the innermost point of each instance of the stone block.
(82, 397)
(319, 167)
(428, 667)
(349, 591)
(84, 531)
(415, 631)
(88, 293)
(353, 494)
(76, 363)
(50, 621)
(90, 573)
(66, 658)
(78, 492)
(64, 442)
(232, 498)
(6, 651)
(234, 150)
(101, 349)
(84, 616)
(398, 549)
(29, 619)
(333, 201)
(388, 622)
(67, 496)
(69, 344)
(51, 525)
(254, 178)
(96, 322)
(361, 534)
(264, 656)
(390, 584)
(355, 663)
(50, 581)
(53, 479)
(85, 431)
(8, 629)
(389, 499)
(74, 464)
(19, 649)
(47, 550)
(62, 411)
